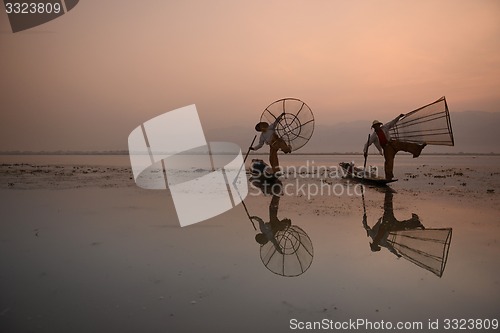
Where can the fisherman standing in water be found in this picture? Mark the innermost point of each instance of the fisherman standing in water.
(268, 136)
(389, 147)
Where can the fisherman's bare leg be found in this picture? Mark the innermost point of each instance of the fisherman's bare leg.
(389, 154)
(281, 144)
(409, 147)
(273, 158)
(277, 144)
(392, 148)
(273, 208)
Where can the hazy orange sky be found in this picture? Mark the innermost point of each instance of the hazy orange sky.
(88, 78)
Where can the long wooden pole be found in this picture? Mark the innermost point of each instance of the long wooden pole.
(366, 156)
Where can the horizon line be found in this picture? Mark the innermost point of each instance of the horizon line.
(126, 152)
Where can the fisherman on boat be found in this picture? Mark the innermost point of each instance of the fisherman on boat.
(268, 136)
(389, 147)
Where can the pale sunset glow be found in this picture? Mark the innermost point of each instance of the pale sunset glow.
(106, 66)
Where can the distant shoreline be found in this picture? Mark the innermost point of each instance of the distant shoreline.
(124, 153)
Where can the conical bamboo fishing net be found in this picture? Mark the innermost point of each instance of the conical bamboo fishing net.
(430, 124)
(427, 248)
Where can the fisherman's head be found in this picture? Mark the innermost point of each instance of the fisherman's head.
(262, 126)
(376, 124)
(261, 239)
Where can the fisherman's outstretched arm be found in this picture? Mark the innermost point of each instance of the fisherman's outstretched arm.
(369, 231)
(368, 143)
(394, 251)
(365, 223)
(394, 121)
(261, 222)
(373, 140)
(262, 140)
(277, 120)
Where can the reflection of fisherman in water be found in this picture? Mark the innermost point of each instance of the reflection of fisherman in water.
(388, 223)
(285, 249)
(269, 229)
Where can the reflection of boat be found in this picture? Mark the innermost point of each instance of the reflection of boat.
(427, 248)
(262, 177)
(364, 176)
(295, 253)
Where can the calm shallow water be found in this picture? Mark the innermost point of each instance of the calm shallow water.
(402, 159)
(117, 260)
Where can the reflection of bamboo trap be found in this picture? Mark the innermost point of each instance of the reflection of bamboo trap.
(430, 124)
(295, 253)
(427, 248)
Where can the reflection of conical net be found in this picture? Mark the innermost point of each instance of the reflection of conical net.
(430, 124)
(297, 124)
(427, 248)
(297, 252)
